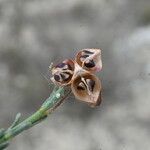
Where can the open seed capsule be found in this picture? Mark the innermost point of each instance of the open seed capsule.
(89, 59)
(63, 72)
(87, 88)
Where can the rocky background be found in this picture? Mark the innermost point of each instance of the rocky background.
(34, 33)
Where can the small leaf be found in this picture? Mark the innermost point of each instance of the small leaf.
(16, 121)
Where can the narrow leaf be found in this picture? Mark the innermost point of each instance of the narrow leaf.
(16, 121)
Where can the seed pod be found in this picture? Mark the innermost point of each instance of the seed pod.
(63, 72)
(89, 59)
(87, 88)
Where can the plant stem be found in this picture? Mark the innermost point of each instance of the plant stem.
(56, 98)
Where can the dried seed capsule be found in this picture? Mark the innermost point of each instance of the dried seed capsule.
(89, 59)
(87, 88)
(63, 72)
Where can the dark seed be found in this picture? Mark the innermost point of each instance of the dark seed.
(84, 56)
(81, 86)
(56, 77)
(90, 84)
(69, 67)
(65, 76)
(89, 64)
(88, 52)
(61, 65)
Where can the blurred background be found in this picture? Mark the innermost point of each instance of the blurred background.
(34, 33)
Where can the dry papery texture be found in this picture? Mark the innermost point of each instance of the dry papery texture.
(85, 85)
(87, 88)
(89, 59)
(34, 33)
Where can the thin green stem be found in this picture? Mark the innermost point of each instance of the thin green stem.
(51, 103)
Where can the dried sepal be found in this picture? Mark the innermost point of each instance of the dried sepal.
(89, 59)
(87, 87)
(62, 73)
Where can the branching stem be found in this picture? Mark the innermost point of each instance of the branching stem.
(56, 98)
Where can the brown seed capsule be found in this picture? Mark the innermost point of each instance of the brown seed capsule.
(89, 59)
(63, 72)
(87, 87)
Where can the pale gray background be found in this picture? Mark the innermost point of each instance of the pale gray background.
(34, 33)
